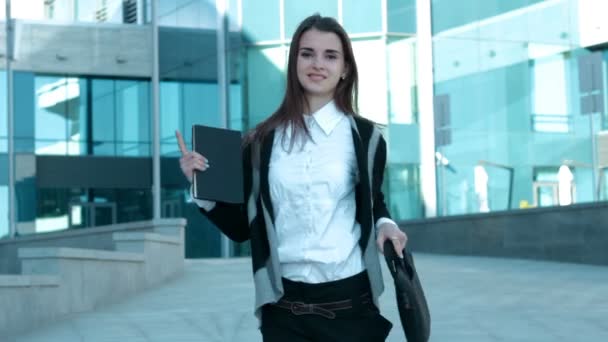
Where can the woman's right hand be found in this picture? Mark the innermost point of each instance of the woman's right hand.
(190, 160)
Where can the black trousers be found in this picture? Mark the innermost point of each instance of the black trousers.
(362, 322)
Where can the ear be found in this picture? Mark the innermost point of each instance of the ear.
(345, 72)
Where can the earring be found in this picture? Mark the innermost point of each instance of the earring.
(343, 76)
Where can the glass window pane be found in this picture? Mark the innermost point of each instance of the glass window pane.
(507, 79)
(370, 57)
(54, 98)
(200, 105)
(25, 99)
(170, 117)
(401, 16)
(3, 117)
(78, 120)
(190, 13)
(550, 95)
(52, 208)
(4, 224)
(236, 108)
(61, 10)
(296, 11)
(266, 80)
(448, 14)
(234, 15)
(404, 199)
(362, 16)
(104, 113)
(132, 117)
(31, 9)
(133, 205)
(86, 10)
(401, 76)
(186, 104)
(261, 20)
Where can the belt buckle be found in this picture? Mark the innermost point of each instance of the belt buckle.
(300, 308)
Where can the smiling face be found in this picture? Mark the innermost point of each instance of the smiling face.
(320, 64)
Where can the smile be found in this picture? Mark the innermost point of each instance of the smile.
(316, 77)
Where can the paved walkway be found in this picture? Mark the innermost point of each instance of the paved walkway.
(471, 299)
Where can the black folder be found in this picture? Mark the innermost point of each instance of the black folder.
(223, 180)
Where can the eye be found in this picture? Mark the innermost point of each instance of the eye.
(305, 54)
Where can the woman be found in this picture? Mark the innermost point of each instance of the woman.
(314, 205)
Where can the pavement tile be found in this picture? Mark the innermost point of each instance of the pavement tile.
(471, 299)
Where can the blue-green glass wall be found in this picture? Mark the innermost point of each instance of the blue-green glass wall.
(383, 40)
(190, 94)
(511, 72)
(4, 223)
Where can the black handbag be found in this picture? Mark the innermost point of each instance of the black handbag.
(411, 302)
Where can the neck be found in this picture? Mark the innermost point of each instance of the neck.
(317, 102)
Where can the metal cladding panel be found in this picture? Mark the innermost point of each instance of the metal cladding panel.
(93, 172)
(105, 172)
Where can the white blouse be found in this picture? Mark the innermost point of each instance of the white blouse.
(312, 189)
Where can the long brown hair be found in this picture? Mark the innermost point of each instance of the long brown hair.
(295, 102)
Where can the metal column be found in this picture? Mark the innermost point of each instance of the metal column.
(223, 82)
(424, 77)
(12, 203)
(156, 181)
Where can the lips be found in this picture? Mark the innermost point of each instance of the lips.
(316, 77)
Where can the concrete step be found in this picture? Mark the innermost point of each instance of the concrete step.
(56, 281)
(27, 296)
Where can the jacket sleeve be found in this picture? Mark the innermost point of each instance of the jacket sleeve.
(231, 218)
(379, 205)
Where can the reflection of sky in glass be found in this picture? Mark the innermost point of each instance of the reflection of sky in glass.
(3, 123)
(401, 80)
(3, 210)
(549, 88)
(51, 112)
(550, 93)
(188, 13)
(542, 29)
(23, 9)
(371, 65)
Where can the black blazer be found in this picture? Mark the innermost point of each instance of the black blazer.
(254, 219)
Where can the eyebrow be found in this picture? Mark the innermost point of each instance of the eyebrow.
(327, 51)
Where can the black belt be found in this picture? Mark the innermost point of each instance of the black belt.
(327, 310)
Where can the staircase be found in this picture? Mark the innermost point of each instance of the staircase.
(56, 278)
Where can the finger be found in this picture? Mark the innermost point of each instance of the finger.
(180, 143)
(397, 244)
(199, 156)
(380, 243)
(200, 165)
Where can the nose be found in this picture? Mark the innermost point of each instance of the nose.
(316, 62)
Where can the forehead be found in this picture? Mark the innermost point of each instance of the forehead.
(320, 40)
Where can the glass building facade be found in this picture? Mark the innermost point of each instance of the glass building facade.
(519, 107)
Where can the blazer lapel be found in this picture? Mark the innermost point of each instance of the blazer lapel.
(361, 157)
(266, 152)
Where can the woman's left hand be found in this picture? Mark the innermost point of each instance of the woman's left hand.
(389, 231)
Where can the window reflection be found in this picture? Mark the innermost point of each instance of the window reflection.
(512, 70)
(113, 11)
(120, 117)
(401, 78)
(61, 208)
(3, 118)
(60, 118)
(4, 224)
(200, 14)
(403, 191)
(550, 94)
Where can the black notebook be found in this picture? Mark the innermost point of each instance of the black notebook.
(223, 180)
